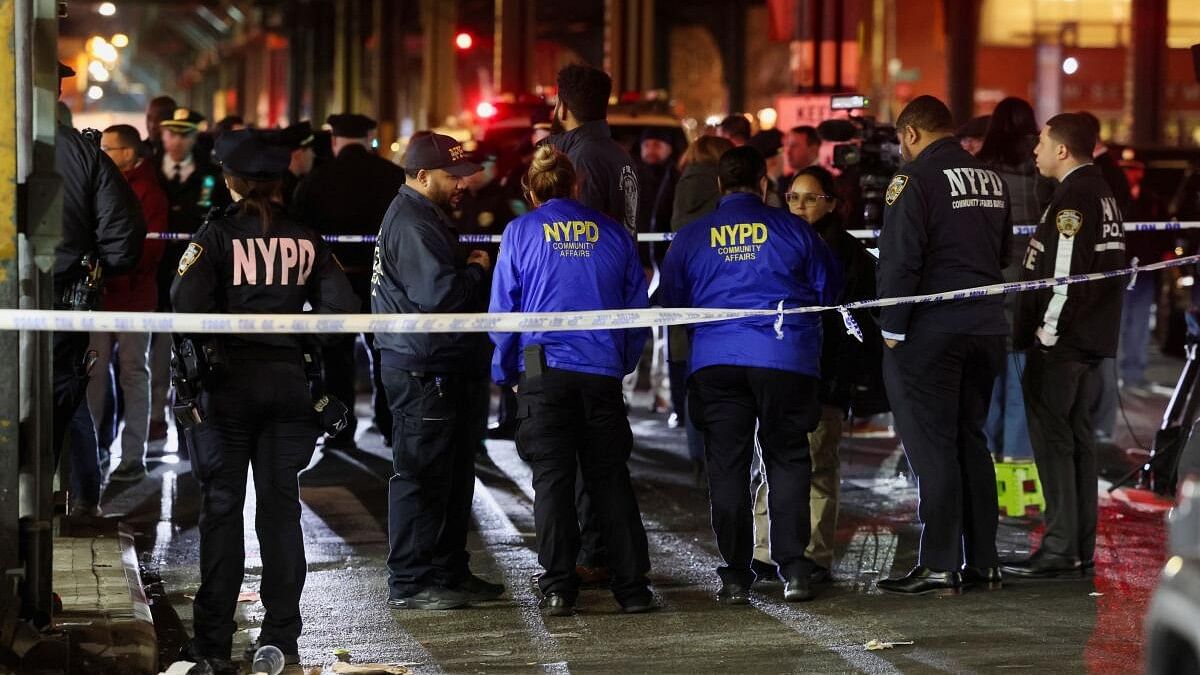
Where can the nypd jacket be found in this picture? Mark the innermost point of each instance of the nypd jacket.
(232, 266)
(947, 225)
(608, 181)
(565, 257)
(1080, 233)
(746, 255)
(420, 268)
(101, 215)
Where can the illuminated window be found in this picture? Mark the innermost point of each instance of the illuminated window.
(1080, 23)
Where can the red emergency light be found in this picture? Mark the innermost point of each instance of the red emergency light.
(464, 41)
(485, 110)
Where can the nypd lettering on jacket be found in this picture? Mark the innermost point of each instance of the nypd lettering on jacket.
(739, 242)
(1080, 233)
(572, 238)
(970, 187)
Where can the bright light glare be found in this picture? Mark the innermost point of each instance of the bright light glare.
(107, 9)
(95, 93)
(98, 72)
(1070, 65)
(712, 120)
(463, 41)
(486, 110)
(120, 40)
(767, 117)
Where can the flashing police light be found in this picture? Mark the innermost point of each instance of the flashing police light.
(464, 41)
(486, 110)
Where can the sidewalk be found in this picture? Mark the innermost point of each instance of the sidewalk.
(104, 609)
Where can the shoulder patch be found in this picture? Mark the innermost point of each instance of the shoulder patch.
(894, 188)
(1068, 222)
(189, 257)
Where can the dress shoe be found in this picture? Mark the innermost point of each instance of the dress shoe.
(592, 577)
(1042, 565)
(556, 604)
(253, 647)
(922, 581)
(478, 589)
(733, 594)
(820, 575)
(640, 604)
(797, 587)
(432, 597)
(984, 577)
(764, 572)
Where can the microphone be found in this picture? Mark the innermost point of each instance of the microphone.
(837, 131)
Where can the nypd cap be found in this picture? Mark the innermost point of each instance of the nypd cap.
(438, 151)
(184, 120)
(253, 154)
(351, 125)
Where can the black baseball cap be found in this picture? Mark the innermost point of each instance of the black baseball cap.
(438, 151)
(253, 154)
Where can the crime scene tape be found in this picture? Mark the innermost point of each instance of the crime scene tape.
(643, 237)
(516, 322)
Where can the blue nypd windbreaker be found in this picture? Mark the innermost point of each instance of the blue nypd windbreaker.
(563, 257)
(746, 255)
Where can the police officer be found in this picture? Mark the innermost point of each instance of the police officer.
(299, 138)
(258, 407)
(436, 383)
(750, 372)
(947, 225)
(570, 404)
(349, 195)
(1067, 330)
(194, 187)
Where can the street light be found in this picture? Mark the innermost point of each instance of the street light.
(120, 41)
(107, 9)
(95, 93)
(98, 72)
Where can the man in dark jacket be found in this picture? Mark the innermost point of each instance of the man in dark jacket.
(947, 226)
(101, 219)
(350, 195)
(608, 180)
(1067, 330)
(437, 383)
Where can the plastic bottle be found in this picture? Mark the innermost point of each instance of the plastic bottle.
(268, 659)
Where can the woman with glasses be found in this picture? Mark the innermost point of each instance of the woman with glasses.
(847, 365)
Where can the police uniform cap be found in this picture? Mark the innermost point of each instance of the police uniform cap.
(351, 125)
(65, 71)
(253, 154)
(438, 151)
(299, 135)
(658, 134)
(183, 120)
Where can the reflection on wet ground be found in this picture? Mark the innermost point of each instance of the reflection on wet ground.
(1072, 625)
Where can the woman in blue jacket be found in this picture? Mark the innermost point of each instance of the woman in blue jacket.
(563, 257)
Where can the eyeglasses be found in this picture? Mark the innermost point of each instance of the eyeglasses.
(807, 198)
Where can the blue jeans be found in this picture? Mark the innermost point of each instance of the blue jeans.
(1006, 429)
(1135, 330)
(85, 457)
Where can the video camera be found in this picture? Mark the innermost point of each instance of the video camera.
(868, 150)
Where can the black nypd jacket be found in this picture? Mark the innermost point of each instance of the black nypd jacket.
(947, 225)
(1080, 233)
(420, 268)
(608, 181)
(232, 266)
(101, 214)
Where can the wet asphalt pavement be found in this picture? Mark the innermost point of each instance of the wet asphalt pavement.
(1091, 624)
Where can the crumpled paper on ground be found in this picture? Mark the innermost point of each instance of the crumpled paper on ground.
(876, 645)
